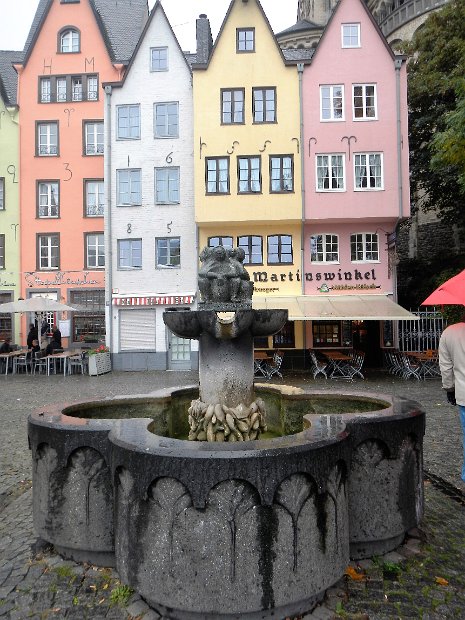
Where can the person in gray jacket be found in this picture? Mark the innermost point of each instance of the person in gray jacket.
(452, 365)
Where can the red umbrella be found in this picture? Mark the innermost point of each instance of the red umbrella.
(451, 292)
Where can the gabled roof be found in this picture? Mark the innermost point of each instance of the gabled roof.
(371, 18)
(231, 5)
(301, 26)
(119, 21)
(157, 7)
(8, 76)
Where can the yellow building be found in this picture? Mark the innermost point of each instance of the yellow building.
(9, 193)
(248, 152)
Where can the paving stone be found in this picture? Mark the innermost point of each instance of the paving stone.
(137, 608)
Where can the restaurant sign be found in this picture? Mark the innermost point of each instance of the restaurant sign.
(60, 278)
(154, 300)
(352, 276)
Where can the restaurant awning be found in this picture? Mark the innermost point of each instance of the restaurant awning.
(335, 307)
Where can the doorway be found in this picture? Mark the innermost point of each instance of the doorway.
(366, 338)
(179, 352)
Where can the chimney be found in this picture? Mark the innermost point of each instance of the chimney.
(204, 39)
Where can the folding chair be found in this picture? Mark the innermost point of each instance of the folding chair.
(318, 366)
(409, 368)
(22, 361)
(78, 363)
(39, 362)
(274, 368)
(355, 367)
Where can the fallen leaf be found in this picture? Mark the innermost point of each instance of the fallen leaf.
(441, 581)
(351, 572)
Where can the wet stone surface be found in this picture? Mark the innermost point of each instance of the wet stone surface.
(424, 578)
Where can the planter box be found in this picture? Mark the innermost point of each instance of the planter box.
(99, 364)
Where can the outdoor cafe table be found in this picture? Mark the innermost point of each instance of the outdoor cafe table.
(65, 356)
(428, 363)
(12, 355)
(338, 360)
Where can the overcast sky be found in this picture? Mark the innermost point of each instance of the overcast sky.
(16, 18)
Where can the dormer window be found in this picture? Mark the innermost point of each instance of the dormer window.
(245, 40)
(350, 34)
(70, 41)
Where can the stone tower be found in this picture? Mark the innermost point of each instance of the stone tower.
(316, 11)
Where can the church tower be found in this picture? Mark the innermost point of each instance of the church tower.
(315, 11)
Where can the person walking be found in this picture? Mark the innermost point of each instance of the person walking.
(452, 366)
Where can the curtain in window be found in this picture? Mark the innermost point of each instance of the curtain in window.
(323, 172)
(375, 169)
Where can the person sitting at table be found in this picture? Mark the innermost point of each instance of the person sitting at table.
(56, 336)
(6, 346)
(52, 347)
(32, 335)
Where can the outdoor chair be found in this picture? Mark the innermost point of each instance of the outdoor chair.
(275, 366)
(318, 366)
(21, 362)
(78, 363)
(410, 369)
(39, 362)
(354, 368)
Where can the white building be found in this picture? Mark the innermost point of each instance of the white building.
(149, 224)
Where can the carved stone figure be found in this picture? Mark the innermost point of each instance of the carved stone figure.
(223, 279)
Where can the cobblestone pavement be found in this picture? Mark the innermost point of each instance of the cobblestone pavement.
(425, 578)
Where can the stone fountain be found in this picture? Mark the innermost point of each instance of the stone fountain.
(226, 526)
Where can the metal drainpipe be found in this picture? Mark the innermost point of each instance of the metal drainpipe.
(398, 65)
(300, 70)
(108, 238)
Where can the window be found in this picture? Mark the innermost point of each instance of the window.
(94, 198)
(48, 199)
(226, 242)
(45, 90)
(76, 86)
(47, 139)
(279, 249)
(168, 252)
(350, 35)
(69, 41)
(364, 247)
(88, 324)
(130, 253)
(232, 106)
(93, 132)
(324, 249)
(245, 40)
(167, 186)
(332, 103)
(364, 98)
(2, 251)
(326, 333)
(2, 193)
(128, 122)
(281, 173)
(217, 175)
(68, 88)
(128, 187)
(368, 171)
(248, 175)
(95, 251)
(159, 59)
(330, 172)
(253, 248)
(264, 105)
(48, 251)
(5, 319)
(285, 338)
(166, 120)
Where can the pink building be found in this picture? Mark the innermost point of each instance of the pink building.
(72, 48)
(356, 175)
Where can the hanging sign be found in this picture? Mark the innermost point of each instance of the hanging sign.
(154, 300)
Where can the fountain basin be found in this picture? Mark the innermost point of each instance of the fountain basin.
(251, 529)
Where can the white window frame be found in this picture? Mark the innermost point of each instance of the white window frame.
(45, 139)
(92, 88)
(170, 254)
(369, 177)
(332, 98)
(167, 185)
(95, 241)
(134, 177)
(45, 90)
(161, 110)
(327, 239)
(363, 239)
(2, 251)
(354, 27)
(95, 138)
(62, 90)
(161, 62)
(130, 131)
(99, 201)
(133, 252)
(364, 116)
(72, 38)
(2, 193)
(48, 191)
(52, 247)
(330, 165)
